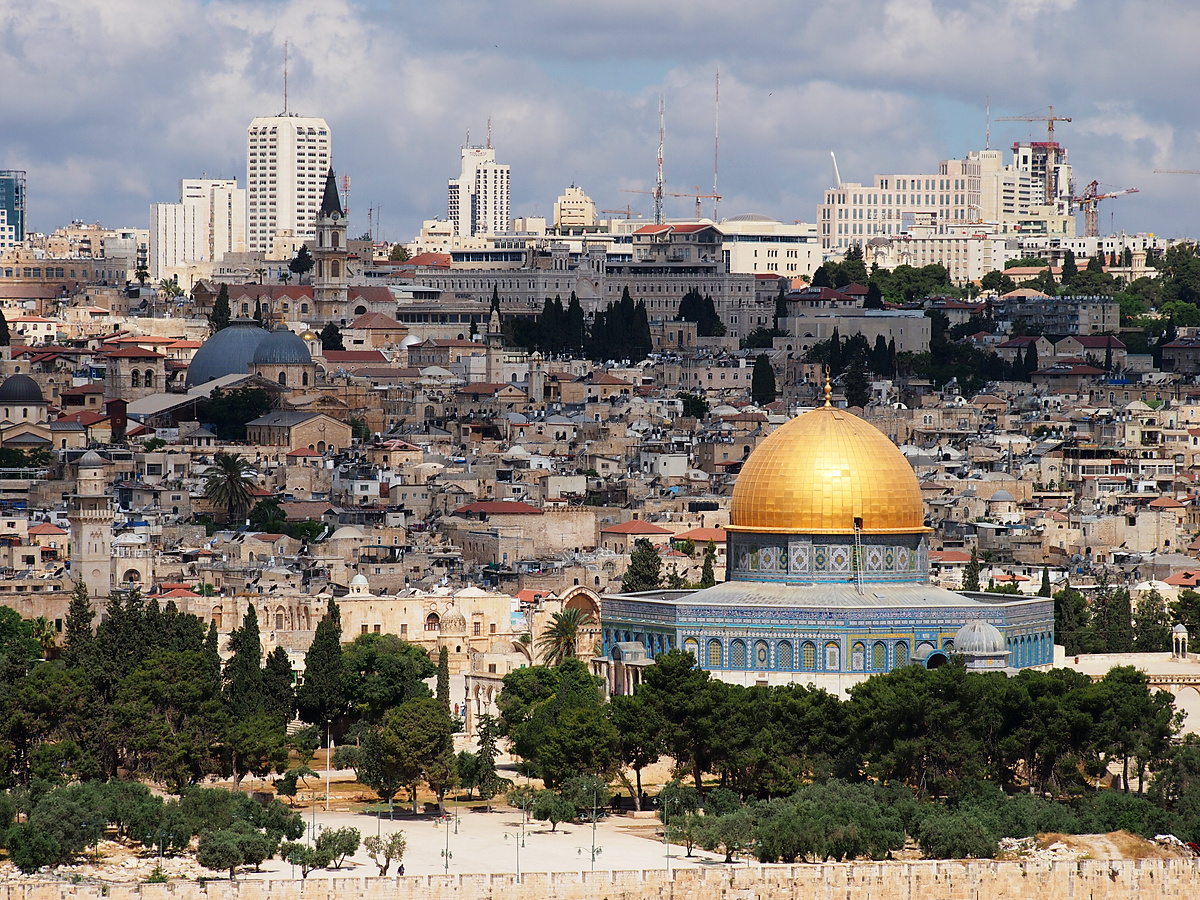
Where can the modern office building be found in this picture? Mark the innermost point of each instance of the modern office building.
(286, 161)
(208, 221)
(12, 207)
(478, 199)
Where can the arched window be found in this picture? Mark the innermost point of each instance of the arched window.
(762, 655)
(737, 655)
(304, 379)
(149, 380)
(808, 655)
(879, 656)
(692, 646)
(304, 308)
(714, 654)
(334, 240)
(783, 655)
(320, 446)
(135, 378)
(335, 269)
(25, 412)
(283, 378)
(948, 645)
(433, 623)
(320, 268)
(900, 656)
(320, 239)
(833, 656)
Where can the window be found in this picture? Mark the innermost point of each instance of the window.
(737, 655)
(879, 656)
(833, 656)
(691, 646)
(808, 655)
(783, 655)
(433, 623)
(714, 654)
(135, 378)
(762, 655)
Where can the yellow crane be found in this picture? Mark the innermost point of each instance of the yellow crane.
(1049, 118)
(628, 211)
(1090, 203)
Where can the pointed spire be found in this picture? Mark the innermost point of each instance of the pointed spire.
(331, 202)
(828, 389)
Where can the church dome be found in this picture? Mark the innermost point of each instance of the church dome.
(979, 638)
(20, 389)
(282, 348)
(228, 352)
(822, 470)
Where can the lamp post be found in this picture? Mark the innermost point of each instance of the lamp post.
(446, 854)
(518, 842)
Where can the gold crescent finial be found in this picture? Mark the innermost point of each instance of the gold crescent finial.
(828, 388)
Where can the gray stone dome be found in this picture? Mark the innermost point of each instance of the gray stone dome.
(91, 460)
(20, 389)
(1003, 496)
(282, 348)
(228, 352)
(1179, 629)
(979, 637)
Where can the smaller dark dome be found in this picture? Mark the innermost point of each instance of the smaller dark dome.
(20, 389)
(282, 348)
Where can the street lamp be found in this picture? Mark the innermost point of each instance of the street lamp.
(518, 842)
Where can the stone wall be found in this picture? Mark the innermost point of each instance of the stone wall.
(1095, 879)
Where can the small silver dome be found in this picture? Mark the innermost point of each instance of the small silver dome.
(979, 637)
(1180, 629)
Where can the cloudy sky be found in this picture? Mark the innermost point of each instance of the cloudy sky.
(107, 103)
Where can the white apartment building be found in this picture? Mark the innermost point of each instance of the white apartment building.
(574, 209)
(478, 200)
(753, 245)
(968, 253)
(8, 233)
(287, 158)
(208, 221)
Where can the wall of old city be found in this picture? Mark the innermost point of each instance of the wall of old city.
(1097, 879)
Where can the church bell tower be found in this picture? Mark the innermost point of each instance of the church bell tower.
(330, 279)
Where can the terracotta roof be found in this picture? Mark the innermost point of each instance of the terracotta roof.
(1188, 578)
(703, 535)
(949, 556)
(1165, 503)
(45, 528)
(529, 595)
(134, 353)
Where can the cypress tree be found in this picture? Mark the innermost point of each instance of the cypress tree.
(857, 385)
(762, 381)
(443, 678)
(574, 336)
(279, 696)
(707, 578)
(645, 568)
(1045, 590)
(639, 333)
(212, 649)
(243, 669)
(970, 578)
(321, 697)
(1069, 268)
(219, 318)
(78, 640)
(5, 339)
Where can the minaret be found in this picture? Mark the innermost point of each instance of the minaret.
(330, 278)
(91, 519)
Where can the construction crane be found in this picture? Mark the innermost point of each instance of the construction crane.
(1050, 118)
(1090, 201)
(658, 193)
(628, 211)
(1177, 171)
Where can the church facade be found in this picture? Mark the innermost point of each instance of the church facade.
(828, 578)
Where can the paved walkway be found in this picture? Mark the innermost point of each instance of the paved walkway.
(488, 843)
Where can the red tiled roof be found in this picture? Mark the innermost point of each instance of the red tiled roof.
(45, 528)
(703, 535)
(134, 353)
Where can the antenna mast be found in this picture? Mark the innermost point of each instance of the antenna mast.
(716, 144)
(285, 74)
(988, 142)
(658, 182)
(489, 134)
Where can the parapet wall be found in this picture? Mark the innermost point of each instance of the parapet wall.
(1146, 879)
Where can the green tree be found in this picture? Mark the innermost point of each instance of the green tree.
(1152, 626)
(228, 484)
(220, 315)
(997, 282)
(707, 578)
(302, 263)
(1069, 268)
(5, 338)
(385, 849)
(559, 641)
(553, 808)
(857, 385)
(645, 568)
(304, 857)
(970, 577)
(1185, 610)
(762, 381)
(399, 253)
(694, 405)
(381, 672)
(229, 411)
(321, 697)
(220, 850)
(467, 764)
(689, 704)
(639, 729)
(443, 678)
(487, 780)
(331, 337)
(420, 733)
(338, 843)
(243, 669)
(1045, 590)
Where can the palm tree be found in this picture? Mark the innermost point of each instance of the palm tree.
(261, 273)
(558, 641)
(227, 484)
(45, 635)
(142, 274)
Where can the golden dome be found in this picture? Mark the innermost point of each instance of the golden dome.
(819, 472)
(309, 336)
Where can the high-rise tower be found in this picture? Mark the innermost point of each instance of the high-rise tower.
(478, 199)
(12, 207)
(330, 278)
(286, 160)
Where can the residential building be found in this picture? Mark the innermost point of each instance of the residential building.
(208, 221)
(286, 161)
(478, 199)
(574, 209)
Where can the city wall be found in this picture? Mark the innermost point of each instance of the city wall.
(1145, 879)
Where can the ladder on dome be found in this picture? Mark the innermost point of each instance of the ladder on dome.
(858, 555)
